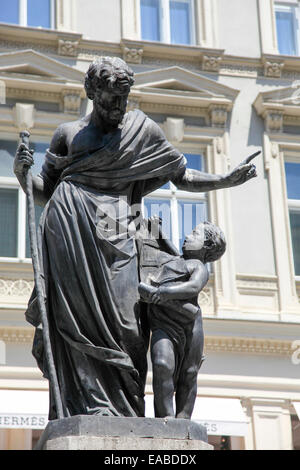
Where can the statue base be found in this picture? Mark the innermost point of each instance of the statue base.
(84, 432)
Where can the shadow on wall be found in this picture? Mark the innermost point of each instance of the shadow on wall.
(256, 130)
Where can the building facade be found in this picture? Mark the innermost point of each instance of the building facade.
(222, 79)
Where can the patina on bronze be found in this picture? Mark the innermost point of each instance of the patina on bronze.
(98, 168)
(170, 285)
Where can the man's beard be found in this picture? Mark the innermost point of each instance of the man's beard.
(110, 117)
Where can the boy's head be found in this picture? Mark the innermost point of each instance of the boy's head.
(206, 243)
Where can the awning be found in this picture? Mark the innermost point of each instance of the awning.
(296, 405)
(24, 409)
(220, 416)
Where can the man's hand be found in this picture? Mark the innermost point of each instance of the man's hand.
(23, 160)
(243, 172)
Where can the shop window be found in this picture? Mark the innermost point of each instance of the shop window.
(180, 211)
(36, 13)
(287, 19)
(220, 442)
(292, 173)
(169, 21)
(36, 435)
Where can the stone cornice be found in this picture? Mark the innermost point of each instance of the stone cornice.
(264, 346)
(276, 389)
(224, 344)
(212, 60)
(278, 107)
(177, 90)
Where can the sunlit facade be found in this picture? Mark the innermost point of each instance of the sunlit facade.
(222, 81)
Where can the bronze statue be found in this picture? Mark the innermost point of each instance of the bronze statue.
(98, 334)
(171, 288)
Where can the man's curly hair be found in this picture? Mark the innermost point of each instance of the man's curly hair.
(108, 73)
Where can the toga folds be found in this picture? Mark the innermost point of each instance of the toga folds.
(89, 265)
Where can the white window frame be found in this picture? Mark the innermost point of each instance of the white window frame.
(205, 22)
(13, 183)
(294, 8)
(293, 204)
(173, 195)
(278, 149)
(23, 14)
(164, 23)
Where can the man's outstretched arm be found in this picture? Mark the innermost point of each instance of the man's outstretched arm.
(197, 181)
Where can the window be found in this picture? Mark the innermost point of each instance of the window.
(180, 211)
(169, 21)
(14, 237)
(287, 19)
(36, 13)
(8, 221)
(292, 172)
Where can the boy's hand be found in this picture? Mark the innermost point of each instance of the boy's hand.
(160, 296)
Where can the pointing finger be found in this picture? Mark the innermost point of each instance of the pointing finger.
(248, 159)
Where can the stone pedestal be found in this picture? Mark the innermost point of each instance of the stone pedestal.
(115, 433)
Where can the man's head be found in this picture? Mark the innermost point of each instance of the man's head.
(107, 83)
(206, 242)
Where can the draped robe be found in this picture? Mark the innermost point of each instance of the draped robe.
(90, 268)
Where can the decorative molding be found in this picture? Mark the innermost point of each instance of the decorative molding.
(172, 109)
(273, 121)
(67, 47)
(186, 92)
(205, 298)
(279, 106)
(35, 77)
(133, 103)
(257, 294)
(255, 282)
(61, 42)
(72, 101)
(15, 288)
(16, 334)
(132, 55)
(273, 69)
(30, 62)
(218, 115)
(211, 63)
(35, 95)
(265, 346)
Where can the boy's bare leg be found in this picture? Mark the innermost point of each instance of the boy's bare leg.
(186, 391)
(163, 364)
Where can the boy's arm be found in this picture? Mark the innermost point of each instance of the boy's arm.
(184, 290)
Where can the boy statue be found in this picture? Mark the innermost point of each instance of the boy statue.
(175, 319)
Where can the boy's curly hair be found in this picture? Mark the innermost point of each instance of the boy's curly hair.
(214, 241)
(108, 73)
